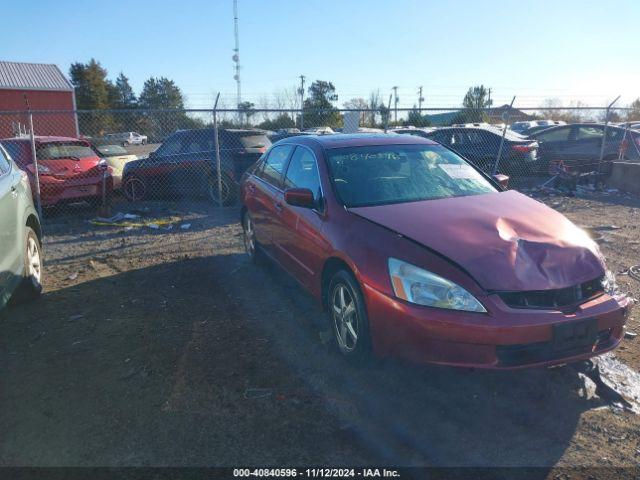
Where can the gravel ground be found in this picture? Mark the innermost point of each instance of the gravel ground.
(168, 347)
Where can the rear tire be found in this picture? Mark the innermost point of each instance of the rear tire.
(251, 245)
(30, 286)
(229, 191)
(348, 317)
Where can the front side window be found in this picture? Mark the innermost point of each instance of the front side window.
(274, 164)
(171, 146)
(303, 172)
(387, 174)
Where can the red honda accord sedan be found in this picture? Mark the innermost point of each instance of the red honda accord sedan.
(415, 253)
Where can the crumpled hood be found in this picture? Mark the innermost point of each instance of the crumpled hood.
(505, 240)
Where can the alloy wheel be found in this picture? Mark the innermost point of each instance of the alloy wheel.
(34, 262)
(249, 236)
(345, 318)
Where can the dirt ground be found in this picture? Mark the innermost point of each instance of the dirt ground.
(168, 347)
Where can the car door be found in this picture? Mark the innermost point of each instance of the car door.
(301, 243)
(585, 150)
(554, 143)
(267, 198)
(159, 172)
(195, 161)
(11, 250)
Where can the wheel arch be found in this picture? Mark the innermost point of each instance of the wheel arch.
(34, 224)
(330, 267)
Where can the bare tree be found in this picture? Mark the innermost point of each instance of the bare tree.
(358, 104)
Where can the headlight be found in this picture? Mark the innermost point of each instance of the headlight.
(609, 283)
(419, 286)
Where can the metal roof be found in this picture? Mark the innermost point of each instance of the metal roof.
(32, 76)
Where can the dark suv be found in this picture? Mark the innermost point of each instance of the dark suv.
(185, 165)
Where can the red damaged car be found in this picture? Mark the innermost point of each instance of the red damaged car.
(417, 254)
(70, 170)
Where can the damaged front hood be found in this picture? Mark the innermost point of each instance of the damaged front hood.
(505, 240)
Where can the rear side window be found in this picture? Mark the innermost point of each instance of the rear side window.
(303, 172)
(589, 133)
(273, 166)
(555, 135)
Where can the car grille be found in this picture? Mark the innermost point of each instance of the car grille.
(557, 299)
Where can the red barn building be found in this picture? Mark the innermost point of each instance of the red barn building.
(49, 93)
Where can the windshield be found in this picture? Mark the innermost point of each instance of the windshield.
(386, 174)
(53, 151)
(112, 150)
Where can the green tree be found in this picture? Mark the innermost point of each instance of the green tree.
(416, 119)
(318, 108)
(163, 94)
(474, 104)
(93, 92)
(281, 121)
(247, 110)
(124, 98)
(385, 114)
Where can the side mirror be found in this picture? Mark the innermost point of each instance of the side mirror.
(503, 180)
(299, 197)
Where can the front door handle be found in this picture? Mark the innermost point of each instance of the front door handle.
(278, 207)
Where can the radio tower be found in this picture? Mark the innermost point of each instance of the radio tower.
(236, 54)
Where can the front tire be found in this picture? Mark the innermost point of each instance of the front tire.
(134, 189)
(30, 287)
(349, 319)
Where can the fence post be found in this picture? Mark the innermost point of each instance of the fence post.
(504, 132)
(604, 136)
(32, 140)
(217, 146)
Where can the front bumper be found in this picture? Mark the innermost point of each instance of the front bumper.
(501, 339)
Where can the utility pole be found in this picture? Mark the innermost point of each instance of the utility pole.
(301, 92)
(395, 103)
(236, 58)
(420, 99)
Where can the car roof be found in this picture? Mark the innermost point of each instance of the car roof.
(342, 140)
(44, 139)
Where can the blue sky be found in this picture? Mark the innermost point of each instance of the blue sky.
(571, 49)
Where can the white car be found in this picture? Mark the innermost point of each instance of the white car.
(126, 138)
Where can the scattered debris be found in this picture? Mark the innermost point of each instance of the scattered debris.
(253, 393)
(615, 382)
(185, 226)
(155, 226)
(605, 228)
(630, 334)
(73, 276)
(634, 272)
(73, 318)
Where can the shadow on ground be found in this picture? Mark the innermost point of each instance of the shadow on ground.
(213, 361)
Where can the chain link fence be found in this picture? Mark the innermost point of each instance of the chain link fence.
(99, 162)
